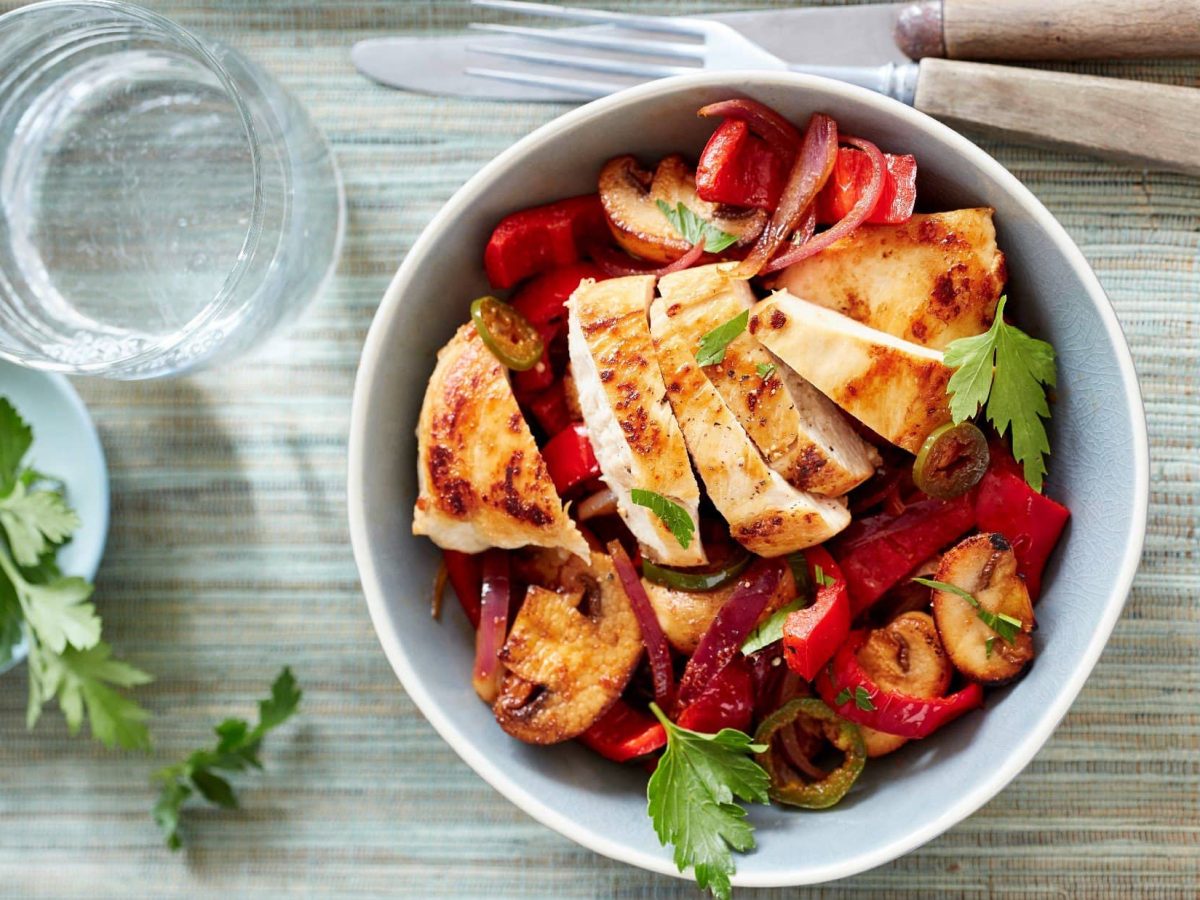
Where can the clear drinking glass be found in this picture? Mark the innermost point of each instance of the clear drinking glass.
(164, 203)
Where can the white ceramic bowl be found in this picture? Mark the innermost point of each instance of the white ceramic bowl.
(1099, 469)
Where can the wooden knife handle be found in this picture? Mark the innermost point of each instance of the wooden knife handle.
(1155, 125)
(1050, 29)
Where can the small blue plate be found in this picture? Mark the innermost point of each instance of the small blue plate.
(65, 446)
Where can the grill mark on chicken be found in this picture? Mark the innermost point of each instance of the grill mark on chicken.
(778, 319)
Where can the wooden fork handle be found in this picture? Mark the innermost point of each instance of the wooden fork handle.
(1050, 29)
(1155, 125)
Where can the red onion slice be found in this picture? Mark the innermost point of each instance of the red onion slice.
(493, 625)
(733, 622)
(761, 119)
(657, 649)
(601, 503)
(812, 168)
(618, 265)
(857, 215)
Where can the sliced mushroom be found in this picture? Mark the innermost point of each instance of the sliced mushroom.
(904, 657)
(686, 615)
(569, 656)
(630, 195)
(985, 567)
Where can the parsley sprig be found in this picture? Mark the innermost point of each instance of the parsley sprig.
(68, 661)
(692, 800)
(236, 750)
(1006, 372)
(674, 516)
(713, 343)
(771, 630)
(1008, 627)
(692, 228)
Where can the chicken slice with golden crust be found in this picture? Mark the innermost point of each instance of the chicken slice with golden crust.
(482, 482)
(802, 434)
(623, 399)
(929, 280)
(895, 388)
(766, 515)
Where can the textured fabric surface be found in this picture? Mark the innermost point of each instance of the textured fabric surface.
(229, 556)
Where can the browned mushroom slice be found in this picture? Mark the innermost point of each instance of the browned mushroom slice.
(985, 567)
(904, 657)
(630, 195)
(569, 657)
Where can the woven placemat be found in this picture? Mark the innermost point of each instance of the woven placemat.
(229, 557)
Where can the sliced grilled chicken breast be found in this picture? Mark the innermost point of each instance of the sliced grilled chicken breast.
(623, 400)
(803, 435)
(482, 482)
(930, 280)
(894, 387)
(766, 515)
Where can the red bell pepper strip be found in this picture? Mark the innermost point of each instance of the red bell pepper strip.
(569, 458)
(463, 571)
(550, 408)
(739, 168)
(899, 714)
(877, 552)
(727, 702)
(534, 240)
(812, 635)
(624, 733)
(850, 175)
(1031, 522)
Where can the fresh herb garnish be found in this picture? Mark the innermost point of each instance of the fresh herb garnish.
(821, 578)
(674, 516)
(236, 750)
(1008, 627)
(765, 370)
(1008, 371)
(713, 344)
(67, 660)
(843, 697)
(691, 799)
(692, 228)
(987, 647)
(863, 700)
(771, 630)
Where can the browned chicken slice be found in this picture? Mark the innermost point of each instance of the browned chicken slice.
(766, 515)
(623, 399)
(895, 388)
(930, 280)
(481, 479)
(801, 433)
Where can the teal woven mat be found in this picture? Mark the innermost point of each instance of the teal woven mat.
(229, 557)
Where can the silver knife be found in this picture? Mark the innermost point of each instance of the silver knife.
(841, 35)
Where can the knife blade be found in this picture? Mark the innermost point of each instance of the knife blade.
(841, 35)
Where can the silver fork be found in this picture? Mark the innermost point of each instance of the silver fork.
(713, 46)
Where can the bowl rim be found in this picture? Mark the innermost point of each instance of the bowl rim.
(373, 352)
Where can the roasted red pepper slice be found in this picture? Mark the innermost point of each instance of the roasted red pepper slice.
(1031, 522)
(624, 733)
(899, 714)
(727, 702)
(534, 240)
(741, 169)
(569, 458)
(877, 552)
(812, 635)
(852, 172)
(541, 302)
(463, 571)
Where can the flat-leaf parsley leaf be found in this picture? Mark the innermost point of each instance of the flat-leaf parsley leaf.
(713, 343)
(692, 800)
(1008, 627)
(674, 516)
(692, 228)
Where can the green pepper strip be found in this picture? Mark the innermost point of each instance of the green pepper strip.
(695, 581)
(786, 786)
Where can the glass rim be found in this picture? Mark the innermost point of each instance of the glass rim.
(221, 299)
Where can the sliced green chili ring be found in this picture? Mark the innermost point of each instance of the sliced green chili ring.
(506, 333)
(694, 580)
(786, 785)
(951, 461)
